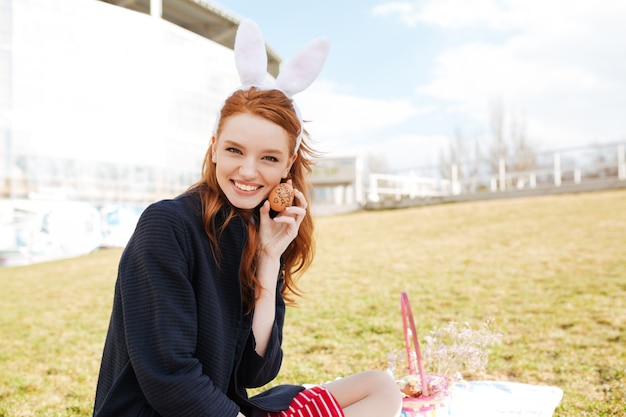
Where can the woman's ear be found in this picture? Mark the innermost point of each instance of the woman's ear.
(213, 151)
(289, 165)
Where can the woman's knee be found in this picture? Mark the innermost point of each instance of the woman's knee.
(378, 384)
(383, 382)
(369, 393)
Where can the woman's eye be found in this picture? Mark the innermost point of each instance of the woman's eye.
(233, 150)
(270, 158)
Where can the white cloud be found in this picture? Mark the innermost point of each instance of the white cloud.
(451, 14)
(406, 151)
(344, 124)
(344, 120)
(562, 63)
(561, 16)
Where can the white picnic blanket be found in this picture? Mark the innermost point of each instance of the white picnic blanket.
(503, 399)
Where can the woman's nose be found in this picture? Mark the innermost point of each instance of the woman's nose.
(248, 168)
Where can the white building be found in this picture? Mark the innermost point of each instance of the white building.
(102, 103)
(107, 104)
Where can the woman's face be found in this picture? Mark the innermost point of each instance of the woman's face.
(251, 155)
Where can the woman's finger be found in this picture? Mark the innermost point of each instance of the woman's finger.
(300, 198)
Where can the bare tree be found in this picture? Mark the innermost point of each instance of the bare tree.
(524, 157)
(377, 164)
(511, 145)
(499, 148)
(462, 152)
(456, 148)
(463, 157)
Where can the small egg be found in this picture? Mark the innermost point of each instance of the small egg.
(281, 197)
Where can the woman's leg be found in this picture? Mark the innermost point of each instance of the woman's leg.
(367, 394)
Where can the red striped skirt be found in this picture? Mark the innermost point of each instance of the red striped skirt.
(312, 402)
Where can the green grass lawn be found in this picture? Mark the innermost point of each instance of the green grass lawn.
(551, 272)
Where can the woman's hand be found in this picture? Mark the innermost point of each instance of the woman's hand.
(276, 234)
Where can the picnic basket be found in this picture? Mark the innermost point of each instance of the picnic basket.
(433, 400)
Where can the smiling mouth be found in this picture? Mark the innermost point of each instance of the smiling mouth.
(246, 187)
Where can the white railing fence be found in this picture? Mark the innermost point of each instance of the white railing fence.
(102, 183)
(555, 169)
(406, 186)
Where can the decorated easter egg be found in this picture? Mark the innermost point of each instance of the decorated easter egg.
(281, 197)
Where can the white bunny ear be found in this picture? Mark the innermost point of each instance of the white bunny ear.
(250, 54)
(295, 76)
(303, 69)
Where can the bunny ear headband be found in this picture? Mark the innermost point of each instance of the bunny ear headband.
(294, 77)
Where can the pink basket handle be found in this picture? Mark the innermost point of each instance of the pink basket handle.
(409, 330)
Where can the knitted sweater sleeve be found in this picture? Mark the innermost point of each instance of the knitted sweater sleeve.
(160, 320)
(255, 370)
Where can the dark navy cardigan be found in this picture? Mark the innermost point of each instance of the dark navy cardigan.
(178, 343)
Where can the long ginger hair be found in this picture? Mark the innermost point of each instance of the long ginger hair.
(274, 106)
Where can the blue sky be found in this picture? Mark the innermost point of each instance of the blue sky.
(403, 76)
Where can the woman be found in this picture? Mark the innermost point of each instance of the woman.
(200, 297)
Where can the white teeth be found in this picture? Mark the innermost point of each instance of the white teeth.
(245, 187)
